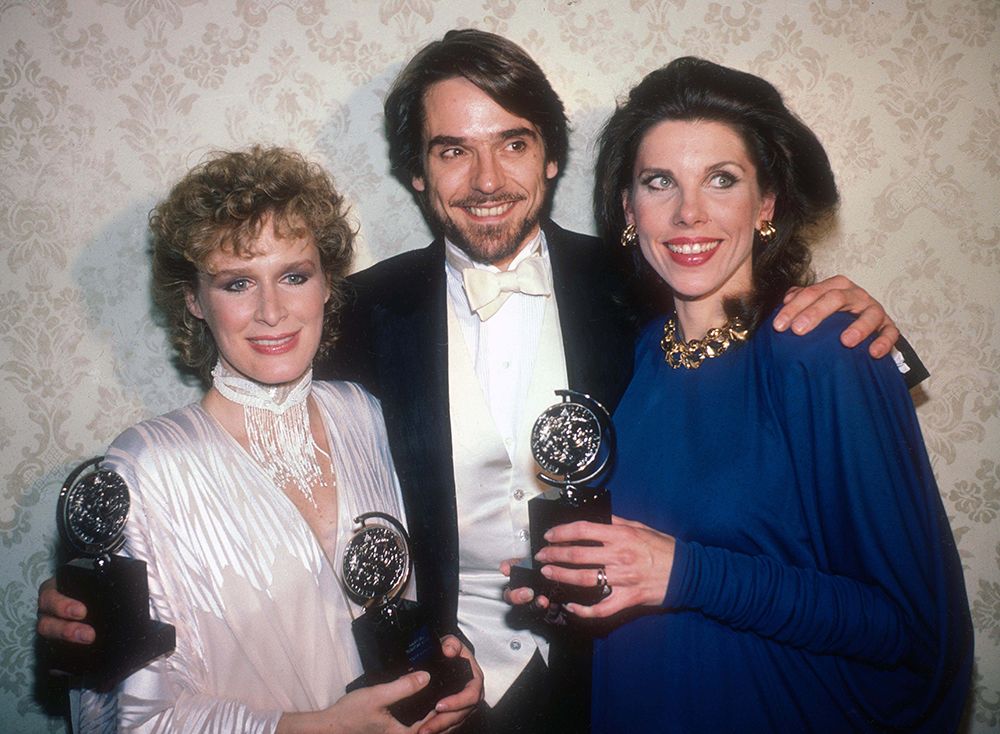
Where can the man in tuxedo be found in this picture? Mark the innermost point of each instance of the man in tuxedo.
(476, 129)
(464, 343)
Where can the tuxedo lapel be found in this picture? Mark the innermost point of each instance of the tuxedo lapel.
(597, 334)
(394, 341)
(577, 301)
(569, 312)
(412, 326)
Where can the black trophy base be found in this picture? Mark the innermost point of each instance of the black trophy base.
(545, 512)
(448, 676)
(117, 599)
(398, 640)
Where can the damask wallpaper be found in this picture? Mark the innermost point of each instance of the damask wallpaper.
(103, 103)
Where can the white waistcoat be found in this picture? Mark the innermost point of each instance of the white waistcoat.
(492, 489)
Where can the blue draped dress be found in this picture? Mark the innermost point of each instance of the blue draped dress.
(816, 585)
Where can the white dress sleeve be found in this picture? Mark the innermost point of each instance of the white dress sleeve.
(263, 624)
(168, 695)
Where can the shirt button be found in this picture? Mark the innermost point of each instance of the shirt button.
(519, 494)
(515, 645)
(522, 534)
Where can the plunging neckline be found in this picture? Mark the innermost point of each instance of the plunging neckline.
(339, 480)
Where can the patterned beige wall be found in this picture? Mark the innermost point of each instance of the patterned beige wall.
(104, 102)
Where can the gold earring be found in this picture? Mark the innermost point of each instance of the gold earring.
(766, 232)
(629, 236)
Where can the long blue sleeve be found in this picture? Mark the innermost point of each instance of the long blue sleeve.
(858, 458)
(816, 585)
(819, 612)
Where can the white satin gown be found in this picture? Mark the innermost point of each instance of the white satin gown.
(263, 625)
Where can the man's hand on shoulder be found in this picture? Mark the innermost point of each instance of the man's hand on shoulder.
(806, 307)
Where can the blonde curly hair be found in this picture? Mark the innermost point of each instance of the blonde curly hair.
(222, 204)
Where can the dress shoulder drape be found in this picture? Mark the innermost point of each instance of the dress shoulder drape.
(816, 585)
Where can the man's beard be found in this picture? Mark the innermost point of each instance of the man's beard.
(486, 243)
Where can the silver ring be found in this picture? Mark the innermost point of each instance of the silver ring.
(602, 582)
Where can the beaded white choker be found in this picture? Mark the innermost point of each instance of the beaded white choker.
(276, 418)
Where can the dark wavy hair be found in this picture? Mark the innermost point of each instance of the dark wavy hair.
(497, 66)
(222, 204)
(789, 159)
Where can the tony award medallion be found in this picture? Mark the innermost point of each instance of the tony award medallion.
(92, 512)
(573, 444)
(394, 635)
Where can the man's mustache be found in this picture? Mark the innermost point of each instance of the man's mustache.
(486, 201)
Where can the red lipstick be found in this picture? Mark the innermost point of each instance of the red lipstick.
(277, 344)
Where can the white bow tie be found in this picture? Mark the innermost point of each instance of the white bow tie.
(487, 290)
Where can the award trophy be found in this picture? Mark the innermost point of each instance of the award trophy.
(393, 634)
(92, 510)
(573, 443)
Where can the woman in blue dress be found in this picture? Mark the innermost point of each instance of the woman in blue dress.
(794, 569)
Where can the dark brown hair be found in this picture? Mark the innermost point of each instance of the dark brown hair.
(222, 204)
(790, 163)
(497, 66)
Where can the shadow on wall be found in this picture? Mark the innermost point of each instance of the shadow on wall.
(387, 212)
(125, 372)
(113, 276)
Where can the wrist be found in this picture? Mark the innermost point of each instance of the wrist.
(301, 722)
(677, 580)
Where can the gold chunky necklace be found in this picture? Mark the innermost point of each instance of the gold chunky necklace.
(690, 355)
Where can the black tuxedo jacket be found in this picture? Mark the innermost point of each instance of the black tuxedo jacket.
(394, 341)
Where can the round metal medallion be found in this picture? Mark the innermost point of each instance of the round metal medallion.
(92, 511)
(566, 439)
(376, 564)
